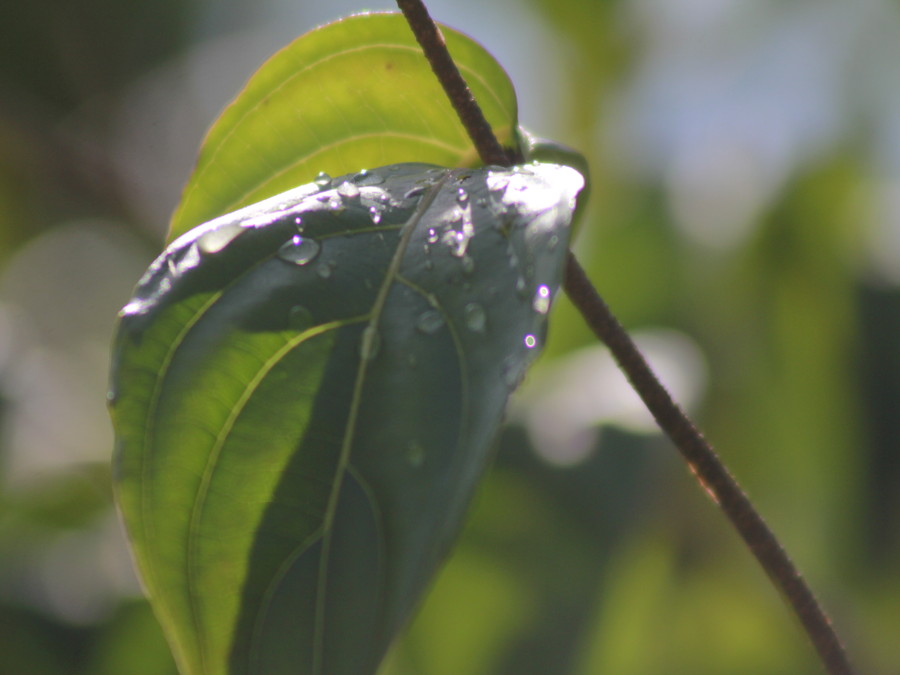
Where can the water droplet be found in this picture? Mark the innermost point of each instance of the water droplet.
(522, 287)
(541, 302)
(430, 322)
(513, 371)
(299, 250)
(432, 235)
(348, 191)
(475, 317)
(553, 242)
(468, 265)
(366, 177)
(298, 221)
(481, 201)
(415, 454)
(299, 318)
(370, 343)
(530, 341)
(215, 240)
(324, 269)
(462, 197)
(454, 217)
(375, 214)
(323, 180)
(456, 241)
(415, 192)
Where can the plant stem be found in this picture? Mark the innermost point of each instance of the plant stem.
(467, 109)
(712, 474)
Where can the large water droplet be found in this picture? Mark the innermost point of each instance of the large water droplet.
(415, 454)
(375, 214)
(430, 322)
(541, 302)
(299, 250)
(462, 197)
(348, 191)
(370, 343)
(323, 180)
(475, 316)
(299, 318)
(215, 240)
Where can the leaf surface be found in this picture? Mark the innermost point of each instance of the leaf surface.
(352, 94)
(305, 393)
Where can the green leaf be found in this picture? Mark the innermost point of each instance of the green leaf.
(352, 94)
(305, 394)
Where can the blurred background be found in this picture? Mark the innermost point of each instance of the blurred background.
(744, 225)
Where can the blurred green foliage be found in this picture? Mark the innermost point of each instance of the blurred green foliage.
(745, 173)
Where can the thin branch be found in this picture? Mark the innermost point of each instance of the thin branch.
(467, 109)
(709, 469)
(712, 474)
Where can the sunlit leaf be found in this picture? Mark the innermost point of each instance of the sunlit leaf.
(353, 94)
(305, 394)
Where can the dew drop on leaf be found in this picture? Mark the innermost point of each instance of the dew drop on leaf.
(323, 180)
(522, 287)
(541, 302)
(366, 177)
(215, 240)
(429, 322)
(475, 317)
(324, 269)
(299, 250)
(348, 191)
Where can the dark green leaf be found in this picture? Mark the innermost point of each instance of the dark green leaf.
(305, 393)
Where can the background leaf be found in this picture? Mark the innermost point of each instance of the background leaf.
(305, 395)
(352, 94)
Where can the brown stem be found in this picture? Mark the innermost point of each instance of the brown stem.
(712, 474)
(467, 109)
(709, 469)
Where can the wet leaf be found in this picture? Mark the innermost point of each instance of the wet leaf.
(353, 94)
(305, 393)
